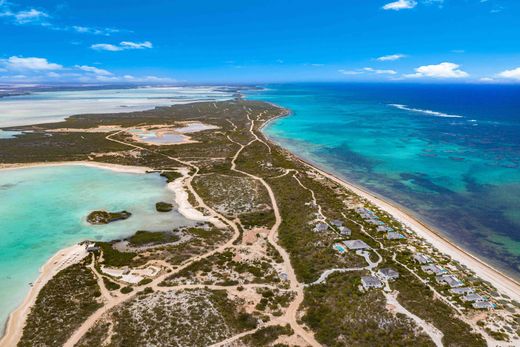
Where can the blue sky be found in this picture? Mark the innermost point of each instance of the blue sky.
(196, 41)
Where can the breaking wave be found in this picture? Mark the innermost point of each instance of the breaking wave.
(428, 112)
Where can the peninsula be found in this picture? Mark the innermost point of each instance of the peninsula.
(283, 253)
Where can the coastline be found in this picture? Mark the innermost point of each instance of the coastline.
(13, 327)
(63, 258)
(501, 281)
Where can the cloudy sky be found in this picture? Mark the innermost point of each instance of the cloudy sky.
(166, 41)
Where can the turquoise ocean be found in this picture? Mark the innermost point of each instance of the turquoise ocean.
(448, 154)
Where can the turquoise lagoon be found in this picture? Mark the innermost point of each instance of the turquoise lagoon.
(43, 210)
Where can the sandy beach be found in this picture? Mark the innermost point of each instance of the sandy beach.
(55, 264)
(500, 281)
(113, 167)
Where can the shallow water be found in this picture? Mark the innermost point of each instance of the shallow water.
(450, 154)
(43, 107)
(43, 210)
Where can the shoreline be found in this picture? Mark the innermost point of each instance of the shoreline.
(501, 281)
(13, 327)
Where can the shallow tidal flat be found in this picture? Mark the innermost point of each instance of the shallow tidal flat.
(44, 209)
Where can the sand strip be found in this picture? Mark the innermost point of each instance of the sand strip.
(55, 264)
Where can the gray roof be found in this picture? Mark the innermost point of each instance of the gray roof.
(434, 268)
(356, 244)
(337, 222)
(473, 297)
(389, 273)
(321, 227)
(345, 231)
(462, 290)
(451, 280)
(422, 258)
(371, 281)
(394, 236)
(483, 304)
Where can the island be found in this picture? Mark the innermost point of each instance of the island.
(105, 217)
(283, 253)
(163, 206)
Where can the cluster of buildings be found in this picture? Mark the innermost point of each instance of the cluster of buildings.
(457, 286)
(372, 218)
(385, 274)
(336, 224)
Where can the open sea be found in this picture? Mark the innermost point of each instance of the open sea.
(449, 154)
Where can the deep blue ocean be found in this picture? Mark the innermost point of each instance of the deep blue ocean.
(449, 154)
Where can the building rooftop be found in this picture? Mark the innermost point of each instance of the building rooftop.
(392, 235)
(483, 305)
(356, 244)
(321, 227)
(451, 280)
(435, 269)
(422, 258)
(389, 273)
(371, 282)
(473, 297)
(337, 223)
(462, 290)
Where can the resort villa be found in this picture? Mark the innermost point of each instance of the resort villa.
(392, 235)
(371, 282)
(344, 231)
(388, 274)
(321, 227)
(462, 290)
(354, 245)
(450, 280)
(434, 269)
(422, 258)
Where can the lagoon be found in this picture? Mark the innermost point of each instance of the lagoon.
(43, 209)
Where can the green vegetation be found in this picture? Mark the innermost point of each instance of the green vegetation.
(418, 299)
(142, 238)
(341, 315)
(113, 257)
(104, 217)
(110, 285)
(265, 336)
(126, 290)
(163, 207)
(62, 305)
(186, 318)
(170, 175)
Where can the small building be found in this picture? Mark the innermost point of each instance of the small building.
(473, 298)
(356, 244)
(388, 274)
(450, 280)
(384, 229)
(321, 227)
(371, 282)
(392, 235)
(434, 269)
(337, 223)
(422, 258)
(462, 290)
(480, 305)
(92, 248)
(344, 231)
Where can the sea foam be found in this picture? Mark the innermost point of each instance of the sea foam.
(428, 112)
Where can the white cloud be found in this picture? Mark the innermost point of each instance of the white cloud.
(106, 47)
(350, 72)
(29, 16)
(380, 72)
(442, 70)
(53, 75)
(486, 79)
(512, 74)
(94, 70)
(124, 45)
(391, 57)
(400, 5)
(94, 31)
(33, 63)
(136, 45)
